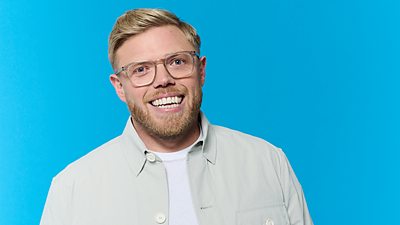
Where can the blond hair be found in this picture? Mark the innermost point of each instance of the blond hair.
(137, 21)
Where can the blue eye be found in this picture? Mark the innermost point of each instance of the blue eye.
(178, 61)
(140, 69)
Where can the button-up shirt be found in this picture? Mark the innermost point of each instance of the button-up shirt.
(235, 178)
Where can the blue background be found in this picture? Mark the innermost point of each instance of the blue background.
(318, 78)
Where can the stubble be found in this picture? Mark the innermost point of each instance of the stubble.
(172, 125)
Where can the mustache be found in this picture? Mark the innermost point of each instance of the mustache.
(162, 91)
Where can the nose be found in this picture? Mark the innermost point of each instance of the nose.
(162, 77)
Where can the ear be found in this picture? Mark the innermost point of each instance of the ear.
(202, 70)
(119, 89)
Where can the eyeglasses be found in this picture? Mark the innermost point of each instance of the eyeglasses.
(178, 64)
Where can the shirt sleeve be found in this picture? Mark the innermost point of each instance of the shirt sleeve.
(294, 199)
(57, 210)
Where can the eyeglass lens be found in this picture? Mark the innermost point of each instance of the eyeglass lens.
(178, 65)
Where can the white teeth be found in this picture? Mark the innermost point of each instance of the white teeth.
(168, 106)
(168, 102)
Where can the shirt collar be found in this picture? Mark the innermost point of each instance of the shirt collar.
(208, 139)
(135, 150)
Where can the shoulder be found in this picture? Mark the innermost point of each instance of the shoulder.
(234, 137)
(94, 162)
(236, 144)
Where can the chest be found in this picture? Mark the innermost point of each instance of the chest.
(222, 194)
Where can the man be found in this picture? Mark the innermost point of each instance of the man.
(170, 166)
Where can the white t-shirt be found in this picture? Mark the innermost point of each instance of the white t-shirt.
(181, 208)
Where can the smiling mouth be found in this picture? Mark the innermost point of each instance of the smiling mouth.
(167, 102)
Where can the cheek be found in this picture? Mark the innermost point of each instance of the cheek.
(195, 83)
(134, 97)
(195, 92)
(198, 86)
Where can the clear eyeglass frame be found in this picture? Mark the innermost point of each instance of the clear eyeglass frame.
(151, 65)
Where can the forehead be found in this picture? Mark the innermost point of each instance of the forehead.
(153, 44)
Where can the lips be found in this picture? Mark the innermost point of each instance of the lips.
(167, 102)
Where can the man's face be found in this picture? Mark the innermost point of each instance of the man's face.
(162, 121)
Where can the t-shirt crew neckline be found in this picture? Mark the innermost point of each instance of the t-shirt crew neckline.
(177, 155)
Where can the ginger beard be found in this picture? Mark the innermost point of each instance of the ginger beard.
(171, 125)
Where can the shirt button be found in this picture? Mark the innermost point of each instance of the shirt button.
(160, 218)
(269, 222)
(151, 157)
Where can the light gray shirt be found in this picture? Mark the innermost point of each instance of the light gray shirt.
(235, 178)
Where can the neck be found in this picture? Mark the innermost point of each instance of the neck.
(168, 144)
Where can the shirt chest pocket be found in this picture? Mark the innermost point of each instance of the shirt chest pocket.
(269, 215)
